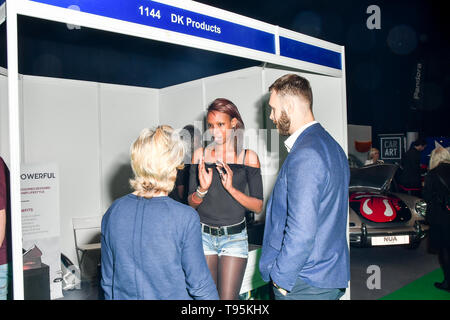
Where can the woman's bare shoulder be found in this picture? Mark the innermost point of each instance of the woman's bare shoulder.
(251, 159)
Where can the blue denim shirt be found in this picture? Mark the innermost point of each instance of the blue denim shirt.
(306, 216)
(152, 249)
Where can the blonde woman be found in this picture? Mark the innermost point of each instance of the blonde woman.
(151, 244)
(435, 191)
(374, 157)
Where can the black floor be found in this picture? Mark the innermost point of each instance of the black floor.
(398, 267)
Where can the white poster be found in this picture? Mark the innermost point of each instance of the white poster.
(40, 217)
(40, 201)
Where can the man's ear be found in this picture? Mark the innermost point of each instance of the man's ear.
(288, 105)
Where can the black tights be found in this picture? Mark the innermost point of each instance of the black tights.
(444, 257)
(227, 272)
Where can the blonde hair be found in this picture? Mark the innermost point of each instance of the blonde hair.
(372, 152)
(439, 155)
(155, 157)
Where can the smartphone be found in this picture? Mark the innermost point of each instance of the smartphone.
(219, 166)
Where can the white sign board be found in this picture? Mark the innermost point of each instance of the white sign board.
(40, 217)
(40, 201)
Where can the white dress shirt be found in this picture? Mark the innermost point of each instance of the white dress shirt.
(289, 143)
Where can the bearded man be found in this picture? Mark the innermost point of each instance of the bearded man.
(305, 253)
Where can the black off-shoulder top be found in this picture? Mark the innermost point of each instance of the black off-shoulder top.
(219, 208)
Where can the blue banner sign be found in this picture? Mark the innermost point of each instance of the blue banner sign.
(309, 53)
(155, 14)
(2, 2)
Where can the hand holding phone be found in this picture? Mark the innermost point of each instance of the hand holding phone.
(220, 169)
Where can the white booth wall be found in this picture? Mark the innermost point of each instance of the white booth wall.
(329, 106)
(87, 128)
(65, 122)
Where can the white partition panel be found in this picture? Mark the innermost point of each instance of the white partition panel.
(327, 105)
(182, 104)
(60, 125)
(124, 112)
(243, 88)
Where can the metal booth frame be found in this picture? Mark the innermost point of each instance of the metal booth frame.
(166, 21)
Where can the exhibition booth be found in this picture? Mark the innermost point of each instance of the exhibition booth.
(67, 141)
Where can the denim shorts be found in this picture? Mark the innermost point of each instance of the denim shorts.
(5, 277)
(235, 245)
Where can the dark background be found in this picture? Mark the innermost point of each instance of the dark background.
(381, 64)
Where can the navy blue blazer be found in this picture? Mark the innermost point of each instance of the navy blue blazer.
(152, 250)
(306, 216)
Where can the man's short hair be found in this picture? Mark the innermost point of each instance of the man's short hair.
(293, 85)
(420, 142)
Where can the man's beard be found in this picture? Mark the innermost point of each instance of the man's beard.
(283, 124)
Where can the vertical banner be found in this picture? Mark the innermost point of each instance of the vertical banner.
(417, 95)
(40, 221)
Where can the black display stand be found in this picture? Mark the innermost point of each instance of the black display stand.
(37, 283)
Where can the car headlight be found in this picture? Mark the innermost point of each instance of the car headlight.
(421, 207)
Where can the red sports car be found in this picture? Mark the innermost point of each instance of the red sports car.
(378, 215)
